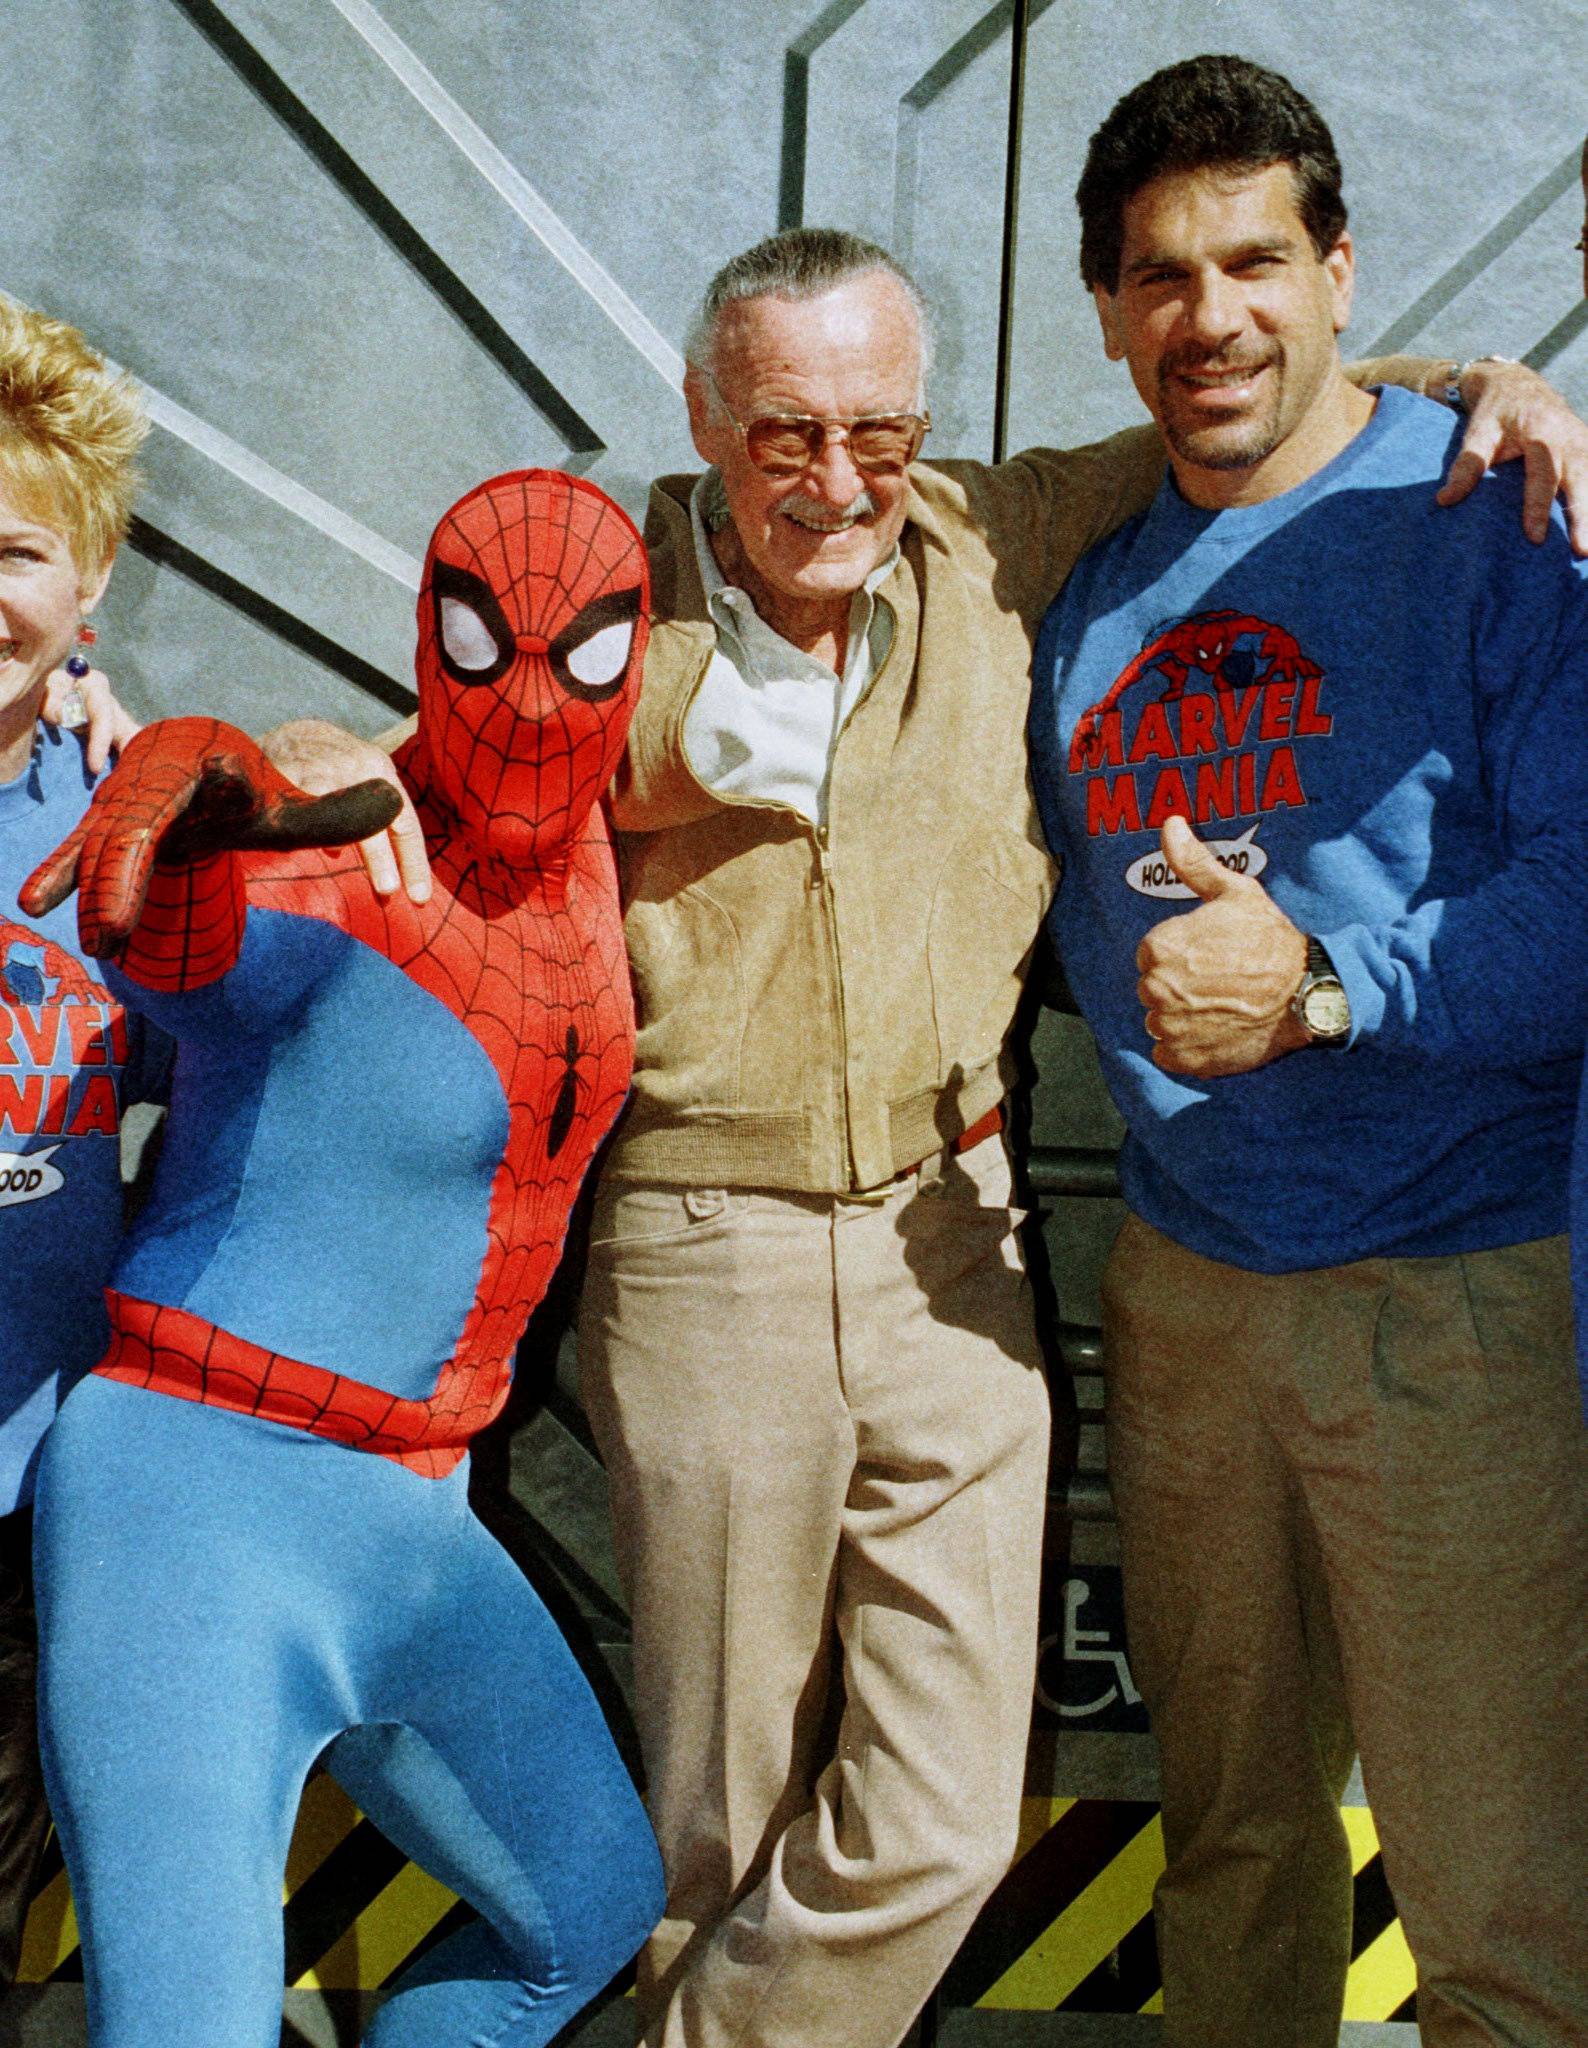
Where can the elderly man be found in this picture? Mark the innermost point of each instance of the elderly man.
(1344, 1439)
(806, 1338)
(807, 1344)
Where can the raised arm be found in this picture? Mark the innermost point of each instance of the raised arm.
(154, 860)
(318, 756)
(1044, 508)
(1512, 413)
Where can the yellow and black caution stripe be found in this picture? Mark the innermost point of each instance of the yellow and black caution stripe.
(1070, 1928)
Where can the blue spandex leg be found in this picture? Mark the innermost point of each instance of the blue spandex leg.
(178, 1715)
(220, 1599)
(503, 1782)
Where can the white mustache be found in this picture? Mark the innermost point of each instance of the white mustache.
(811, 512)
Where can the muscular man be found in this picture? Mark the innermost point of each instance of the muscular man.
(1351, 1477)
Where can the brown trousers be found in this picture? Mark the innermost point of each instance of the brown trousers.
(1357, 1499)
(826, 1429)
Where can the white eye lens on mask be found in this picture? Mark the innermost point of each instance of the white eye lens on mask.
(601, 658)
(465, 636)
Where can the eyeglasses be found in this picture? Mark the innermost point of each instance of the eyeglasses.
(784, 443)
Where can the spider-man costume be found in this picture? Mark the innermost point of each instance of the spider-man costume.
(382, 1114)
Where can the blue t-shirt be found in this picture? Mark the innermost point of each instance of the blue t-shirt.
(1379, 707)
(70, 1058)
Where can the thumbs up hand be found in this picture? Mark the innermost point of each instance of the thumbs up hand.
(1216, 981)
(1197, 865)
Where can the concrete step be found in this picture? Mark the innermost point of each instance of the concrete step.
(52, 2016)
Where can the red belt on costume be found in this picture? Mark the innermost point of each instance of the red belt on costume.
(173, 1352)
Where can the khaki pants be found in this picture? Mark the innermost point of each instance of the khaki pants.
(1358, 1498)
(826, 1429)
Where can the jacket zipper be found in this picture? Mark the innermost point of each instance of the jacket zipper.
(821, 878)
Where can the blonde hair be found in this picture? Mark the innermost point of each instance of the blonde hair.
(69, 430)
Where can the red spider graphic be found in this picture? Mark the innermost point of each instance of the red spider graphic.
(34, 970)
(532, 631)
(1204, 643)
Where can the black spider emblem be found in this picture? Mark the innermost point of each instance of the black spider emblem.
(567, 1095)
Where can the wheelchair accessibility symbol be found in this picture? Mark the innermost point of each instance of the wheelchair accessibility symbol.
(1082, 1673)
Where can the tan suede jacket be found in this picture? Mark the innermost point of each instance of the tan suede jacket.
(819, 1010)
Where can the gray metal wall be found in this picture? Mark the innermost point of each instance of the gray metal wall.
(1460, 129)
(364, 252)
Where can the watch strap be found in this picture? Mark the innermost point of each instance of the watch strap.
(1319, 968)
(1451, 392)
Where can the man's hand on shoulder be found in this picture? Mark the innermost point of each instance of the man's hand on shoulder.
(1512, 411)
(1216, 982)
(320, 757)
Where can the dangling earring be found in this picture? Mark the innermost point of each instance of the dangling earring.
(74, 712)
(77, 664)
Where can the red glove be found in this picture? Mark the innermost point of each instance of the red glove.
(184, 790)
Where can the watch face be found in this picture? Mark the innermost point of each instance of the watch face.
(1325, 1010)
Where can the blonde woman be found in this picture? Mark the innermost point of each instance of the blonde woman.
(70, 1059)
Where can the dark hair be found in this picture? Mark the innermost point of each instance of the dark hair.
(1208, 111)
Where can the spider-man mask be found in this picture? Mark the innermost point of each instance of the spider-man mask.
(532, 629)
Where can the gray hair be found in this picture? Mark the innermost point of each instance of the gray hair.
(799, 263)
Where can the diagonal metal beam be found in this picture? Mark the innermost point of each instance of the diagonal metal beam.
(1454, 280)
(368, 101)
(553, 233)
(251, 470)
(333, 161)
(224, 517)
(276, 550)
(1559, 338)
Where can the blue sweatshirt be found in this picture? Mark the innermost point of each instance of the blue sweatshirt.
(70, 1058)
(1379, 707)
